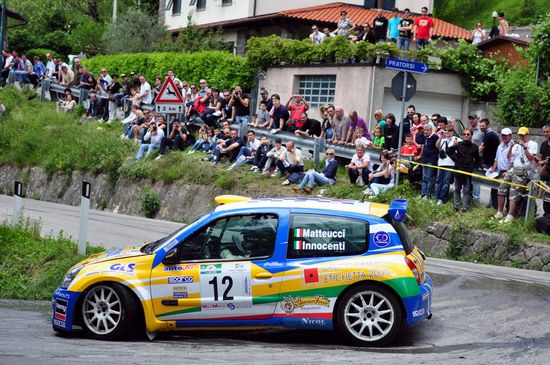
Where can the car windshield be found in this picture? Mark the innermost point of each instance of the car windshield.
(152, 246)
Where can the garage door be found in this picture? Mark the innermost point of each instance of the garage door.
(426, 103)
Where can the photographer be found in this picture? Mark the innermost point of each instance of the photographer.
(178, 139)
(383, 178)
(444, 177)
(154, 136)
(466, 157)
(240, 104)
(523, 155)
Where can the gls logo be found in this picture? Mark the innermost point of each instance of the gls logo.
(123, 268)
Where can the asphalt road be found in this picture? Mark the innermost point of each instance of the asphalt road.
(482, 315)
(104, 228)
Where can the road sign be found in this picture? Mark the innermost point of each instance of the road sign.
(397, 86)
(404, 65)
(169, 93)
(169, 108)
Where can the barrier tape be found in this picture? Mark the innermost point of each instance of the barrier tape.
(467, 173)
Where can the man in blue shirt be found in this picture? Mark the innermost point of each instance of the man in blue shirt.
(393, 26)
(327, 176)
(38, 72)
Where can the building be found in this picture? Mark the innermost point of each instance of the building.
(365, 88)
(505, 46)
(241, 19)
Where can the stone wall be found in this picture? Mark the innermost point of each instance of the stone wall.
(437, 238)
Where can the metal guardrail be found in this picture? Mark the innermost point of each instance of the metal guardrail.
(315, 145)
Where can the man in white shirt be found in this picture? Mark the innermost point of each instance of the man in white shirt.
(103, 82)
(316, 36)
(50, 66)
(522, 155)
(145, 91)
(291, 161)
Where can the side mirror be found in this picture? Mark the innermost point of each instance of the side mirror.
(171, 258)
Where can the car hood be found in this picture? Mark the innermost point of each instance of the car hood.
(116, 254)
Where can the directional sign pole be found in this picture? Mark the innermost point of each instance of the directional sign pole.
(403, 96)
(17, 203)
(84, 214)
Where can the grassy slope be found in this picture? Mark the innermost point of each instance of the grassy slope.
(31, 267)
(466, 13)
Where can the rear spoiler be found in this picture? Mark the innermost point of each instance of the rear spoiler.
(398, 209)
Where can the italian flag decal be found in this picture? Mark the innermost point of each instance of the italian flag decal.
(298, 232)
(298, 245)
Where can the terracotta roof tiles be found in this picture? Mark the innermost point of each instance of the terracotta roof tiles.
(330, 13)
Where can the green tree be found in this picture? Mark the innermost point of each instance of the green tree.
(194, 39)
(134, 31)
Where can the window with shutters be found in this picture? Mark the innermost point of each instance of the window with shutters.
(317, 90)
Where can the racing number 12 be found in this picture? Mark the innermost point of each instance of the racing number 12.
(225, 279)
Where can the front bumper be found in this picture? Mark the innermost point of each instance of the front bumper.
(63, 307)
(420, 307)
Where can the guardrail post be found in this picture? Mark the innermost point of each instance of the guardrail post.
(17, 203)
(83, 96)
(316, 152)
(242, 129)
(528, 207)
(84, 213)
(43, 88)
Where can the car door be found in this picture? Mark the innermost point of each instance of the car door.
(220, 269)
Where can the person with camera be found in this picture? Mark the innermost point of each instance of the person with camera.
(178, 139)
(466, 157)
(240, 103)
(523, 154)
(383, 178)
(444, 177)
(154, 136)
(428, 157)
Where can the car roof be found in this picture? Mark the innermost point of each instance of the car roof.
(333, 205)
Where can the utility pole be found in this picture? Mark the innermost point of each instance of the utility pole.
(114, 11)
(3, 25)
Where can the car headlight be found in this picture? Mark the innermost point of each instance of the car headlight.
(70, 277)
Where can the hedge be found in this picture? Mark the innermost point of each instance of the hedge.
(220, 69)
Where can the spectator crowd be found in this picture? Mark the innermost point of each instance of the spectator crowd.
(438, 151)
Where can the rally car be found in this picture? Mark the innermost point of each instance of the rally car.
(258, 264)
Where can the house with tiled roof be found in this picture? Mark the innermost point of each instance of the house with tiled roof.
(242, 19)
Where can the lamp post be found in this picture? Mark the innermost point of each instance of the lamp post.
(3, 25)
(494, 29)
(495, 16)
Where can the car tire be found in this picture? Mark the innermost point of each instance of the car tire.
(368, 315)
(108, 312)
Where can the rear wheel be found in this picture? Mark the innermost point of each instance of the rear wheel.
(369, 316)
(108, 311)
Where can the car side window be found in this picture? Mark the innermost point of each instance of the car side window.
(233, 238)
(322, 235)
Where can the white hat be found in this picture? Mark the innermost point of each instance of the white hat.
(506, 131)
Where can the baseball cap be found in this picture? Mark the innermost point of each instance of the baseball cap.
(523, 131)
(123, 75)
(506, 131)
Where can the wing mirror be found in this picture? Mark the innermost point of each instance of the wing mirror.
(171, 258)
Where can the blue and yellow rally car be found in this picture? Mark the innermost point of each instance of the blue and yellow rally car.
(256, 264)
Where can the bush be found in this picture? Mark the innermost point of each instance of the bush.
(221, 69)
(150, 202)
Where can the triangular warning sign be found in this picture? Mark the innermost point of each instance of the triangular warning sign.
(169, 93)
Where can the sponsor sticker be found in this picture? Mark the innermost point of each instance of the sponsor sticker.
(61, 309)
(213, 306)
(180, 279)
(381, 239)
(231, 306)
(123, 268)
(302, 238)
(59, 323)
(311, 276)
(289, 304)
(179, 267)
(314, 322)
(211, 269)
(419, 312)
(179, 292)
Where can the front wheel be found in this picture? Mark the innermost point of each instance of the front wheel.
(108, 311)
(369, 316)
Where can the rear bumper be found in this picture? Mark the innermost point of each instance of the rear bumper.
(63, 308)
(419, 307)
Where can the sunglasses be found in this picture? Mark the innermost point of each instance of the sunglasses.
(202, 83)
(193, 87)
(330, 154)
(467, 134)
